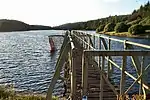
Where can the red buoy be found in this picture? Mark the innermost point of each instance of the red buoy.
(51, 42)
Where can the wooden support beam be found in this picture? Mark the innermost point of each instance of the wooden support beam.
(123, 75)
(84, 74)
(109, 66)
(101, 78)
(94, 63)
(94, 41)
(56, 36)
(59, 64)
(80, 41)
(105, 47)
(73, 75)
(131, 76)
(117, 53)
(141, 72)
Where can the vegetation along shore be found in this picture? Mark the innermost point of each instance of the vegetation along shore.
(136, 24)
(8, 93)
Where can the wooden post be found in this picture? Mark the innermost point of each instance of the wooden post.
(109, 64)
(141, 80)
(84, 74)
(63, 52)
(73, 75)
(123, 75)
(99, 41)
(101, 78)
(99, 62)
(88, 42)
(94, 41)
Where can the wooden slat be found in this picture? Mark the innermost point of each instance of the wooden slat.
(117, 53)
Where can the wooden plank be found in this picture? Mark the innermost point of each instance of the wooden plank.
(131, 76)
(84, 75)
(117, 53)
(104, 76)
(123, 75)
(109, 67)
(59, 64)
(122, 41)
(101, 78)
(56, 36)
(73, 78)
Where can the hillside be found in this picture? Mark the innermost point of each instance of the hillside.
(93, 24)
(142, 14)
(14, 25)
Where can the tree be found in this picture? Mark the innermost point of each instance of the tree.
(100, 28)
(136, 29)
(121, 27)
(109, 27)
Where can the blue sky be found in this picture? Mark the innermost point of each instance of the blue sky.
(57, 12)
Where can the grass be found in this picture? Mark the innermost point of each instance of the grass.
(7, 93)
(126, 34)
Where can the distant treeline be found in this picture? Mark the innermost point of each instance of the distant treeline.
(14, 25)
(140, 15)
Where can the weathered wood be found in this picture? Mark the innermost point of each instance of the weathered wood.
(59, 64)
(88, 73)
(123, 75)
(93, 79)
(141, 80)
(122, 41)
(101, 78)
(73, 75)
(56, 36)
(84, 75)
(109, 68)
(131, 76)
(117, 53)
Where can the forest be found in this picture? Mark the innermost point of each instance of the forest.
(139, 16)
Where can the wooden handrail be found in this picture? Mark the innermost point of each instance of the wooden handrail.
(68, 49)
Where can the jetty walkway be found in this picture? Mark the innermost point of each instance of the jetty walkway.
(89, 62)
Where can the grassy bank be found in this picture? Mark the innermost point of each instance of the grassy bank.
(7, 93)
(126, 34)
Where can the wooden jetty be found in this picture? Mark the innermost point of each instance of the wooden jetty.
(88, 68)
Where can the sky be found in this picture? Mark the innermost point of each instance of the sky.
(57, 12)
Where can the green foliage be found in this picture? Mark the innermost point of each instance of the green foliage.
(134, 18)
(121, 27)
(146, 27)
(100, 28)
(92, 24)
(109, 27)
(145, 21)
(136, 29)
(7, 93)
(142, 12)
(134, 22)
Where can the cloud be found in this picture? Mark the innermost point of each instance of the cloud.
(111, 1)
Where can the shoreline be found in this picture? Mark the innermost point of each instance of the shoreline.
(126, 34)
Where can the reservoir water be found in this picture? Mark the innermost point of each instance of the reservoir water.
(26, 62)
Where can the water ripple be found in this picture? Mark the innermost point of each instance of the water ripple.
(25, 60)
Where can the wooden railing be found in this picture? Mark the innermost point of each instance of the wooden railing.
(65, 57)
(97, 50)
(104, 53)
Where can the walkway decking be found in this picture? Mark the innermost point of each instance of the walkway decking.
(88, 69)
(93, 80)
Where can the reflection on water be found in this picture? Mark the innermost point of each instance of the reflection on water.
(25, 60)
